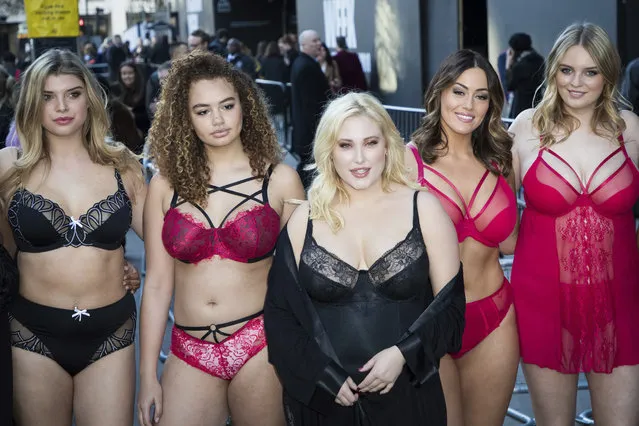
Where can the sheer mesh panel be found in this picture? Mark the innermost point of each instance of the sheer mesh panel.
(23, 338)
(119, 339)
(584, 247)
(493, 207)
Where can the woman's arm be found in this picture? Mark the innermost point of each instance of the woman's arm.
(137, 189)
(285, 186)
(439, 329)
(308, 374)
(521, 132)
(158, 283)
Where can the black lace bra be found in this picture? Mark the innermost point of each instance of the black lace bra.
(400, 274)
(39, 224)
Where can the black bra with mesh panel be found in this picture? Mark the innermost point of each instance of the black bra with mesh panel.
(39, 224)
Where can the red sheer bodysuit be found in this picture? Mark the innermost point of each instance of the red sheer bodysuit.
(249, 237)
(576, 270)
(491, 225)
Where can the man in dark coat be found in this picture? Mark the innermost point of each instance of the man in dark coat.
(524, 73)
(115, 56)
(350, 68)
(309, 93)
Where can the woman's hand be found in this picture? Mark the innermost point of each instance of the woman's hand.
(385, 368)
(347, 394)
(149, 402)
(131, 277)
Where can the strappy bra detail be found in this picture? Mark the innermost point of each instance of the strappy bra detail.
(39, 224)
(492, 224)
(548, 192)
(248, 237)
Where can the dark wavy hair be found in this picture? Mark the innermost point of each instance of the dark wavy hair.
(490, 141)
(134, 95)
(178, 152)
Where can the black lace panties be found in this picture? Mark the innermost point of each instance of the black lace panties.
(73, 338)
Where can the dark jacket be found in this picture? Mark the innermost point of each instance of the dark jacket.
(152, 93)
(8, 289)
(115, 56)
(523, 78)
(351, 71)
(630, 84)
(303, 356)
(274, 68)
(244, 63)
(309, 93)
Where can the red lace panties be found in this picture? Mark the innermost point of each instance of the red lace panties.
(484, 316)
(222, 359)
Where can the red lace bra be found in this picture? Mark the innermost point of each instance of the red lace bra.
(548, 192)
(249, 237)
(492, 224)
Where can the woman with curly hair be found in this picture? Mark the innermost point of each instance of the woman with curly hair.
(70, 199)
(212, 218)
(461, 152)
(358, 320)
(576, 269)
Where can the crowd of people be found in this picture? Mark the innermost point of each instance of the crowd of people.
(363, 289)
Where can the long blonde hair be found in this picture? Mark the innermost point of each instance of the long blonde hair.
(327, 187)
(29, 121)
(550, 116)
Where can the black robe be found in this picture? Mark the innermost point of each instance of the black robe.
(8, 288)
(302, 353)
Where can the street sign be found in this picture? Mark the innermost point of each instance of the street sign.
(52, 18)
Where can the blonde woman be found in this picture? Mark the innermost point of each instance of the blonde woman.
(576, 270)
(70, 199)
(366, 291)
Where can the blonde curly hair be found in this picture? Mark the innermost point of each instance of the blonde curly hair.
(173, 144)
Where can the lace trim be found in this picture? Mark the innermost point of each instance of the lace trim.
(329, 265)
(119, 339)
(398, 258)
(23, 338)
(584, 244)
(74, 231)
(391, 263)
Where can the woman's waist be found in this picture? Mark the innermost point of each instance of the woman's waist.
(197, 315)
(65, 282)
(481, 277)
(219, 288)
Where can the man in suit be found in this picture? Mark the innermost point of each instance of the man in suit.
(309, 93)
(350, 68)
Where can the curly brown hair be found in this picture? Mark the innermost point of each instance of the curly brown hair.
(178, 152)
(490, 141)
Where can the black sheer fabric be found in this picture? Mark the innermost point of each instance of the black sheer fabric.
(8, 286)
(325, 320)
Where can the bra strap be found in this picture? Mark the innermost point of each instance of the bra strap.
(118, 179)
(265, 184)
(415, 211)
(174, 199)
(418, 159)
